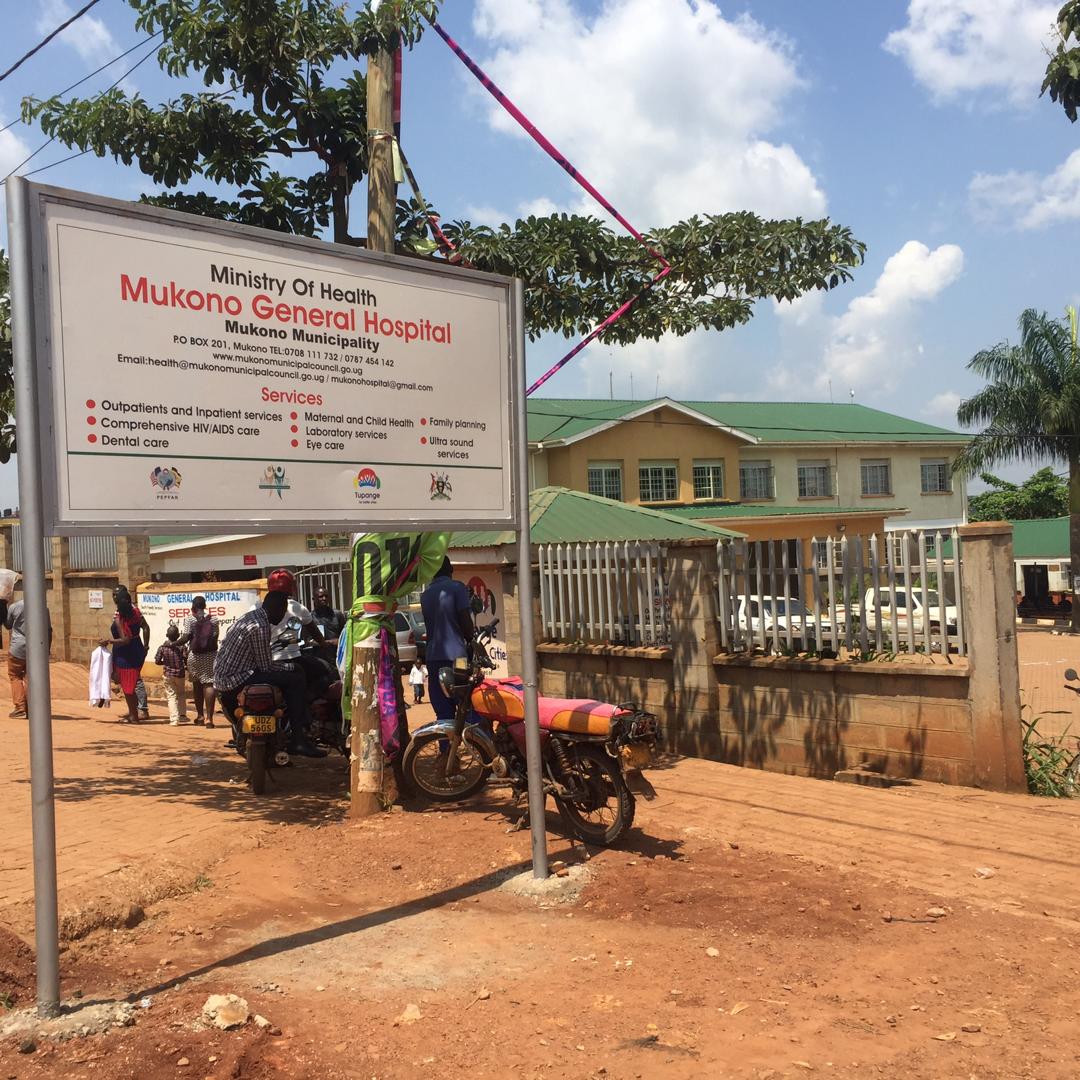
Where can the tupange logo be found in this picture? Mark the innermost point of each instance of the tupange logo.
(441, 488)
(165, 479)
(367, 484)
(273, 479)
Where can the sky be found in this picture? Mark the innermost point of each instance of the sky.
(917, 124)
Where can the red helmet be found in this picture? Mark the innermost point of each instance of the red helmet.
(281, 581)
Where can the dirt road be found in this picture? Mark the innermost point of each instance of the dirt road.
(753, 925)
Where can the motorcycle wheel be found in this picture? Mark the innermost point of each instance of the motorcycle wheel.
(606, 810)
(256, 759)
(424, 768)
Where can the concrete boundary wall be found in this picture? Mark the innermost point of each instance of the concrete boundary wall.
(952, 720)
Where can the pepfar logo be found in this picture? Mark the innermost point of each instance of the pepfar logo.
(367, 486)
(165, 480)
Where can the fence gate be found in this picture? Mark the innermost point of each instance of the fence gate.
(335, 578)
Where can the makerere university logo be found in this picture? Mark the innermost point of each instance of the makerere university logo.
(273, 479)
(366, 485)
(165, 480)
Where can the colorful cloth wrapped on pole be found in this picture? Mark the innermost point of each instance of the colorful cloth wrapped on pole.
(386, 567)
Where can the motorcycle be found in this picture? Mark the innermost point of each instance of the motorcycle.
(588, 749)
(260, 732)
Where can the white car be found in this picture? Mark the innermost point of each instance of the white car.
(767, 611)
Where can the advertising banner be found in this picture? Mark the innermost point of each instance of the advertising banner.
(226, 604)
(486, 586)
(223, 376)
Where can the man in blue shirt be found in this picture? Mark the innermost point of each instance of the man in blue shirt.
(448, 616)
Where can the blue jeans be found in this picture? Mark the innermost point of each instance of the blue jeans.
(444, 707)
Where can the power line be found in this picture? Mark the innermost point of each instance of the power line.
(98, 71)
(45, 41)
(129, 71)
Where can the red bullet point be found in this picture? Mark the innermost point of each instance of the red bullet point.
(91, 404)
(292, 416)
(423, 419)
(91, 438)
(294, 429)
(91, 420)
(295, 443)
(423, 441)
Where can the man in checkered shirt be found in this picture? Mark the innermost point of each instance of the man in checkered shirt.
(244, 657)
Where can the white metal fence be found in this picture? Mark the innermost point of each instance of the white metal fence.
(893, 593)
(335, 578)
(605, 592)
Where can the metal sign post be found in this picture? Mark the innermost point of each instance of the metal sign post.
(537, 799)
(32, 522)
(174, 368)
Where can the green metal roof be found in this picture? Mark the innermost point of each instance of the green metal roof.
(740, 510)
(559, 515)
(161, 541)
(1044, 538)
(554, 419)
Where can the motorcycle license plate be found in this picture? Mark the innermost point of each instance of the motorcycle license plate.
(260, 725)
(636, 757)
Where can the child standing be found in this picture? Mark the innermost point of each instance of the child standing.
(172, 658)
(417, 678)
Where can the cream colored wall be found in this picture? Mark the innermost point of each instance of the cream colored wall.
(847, 477)
(665, 435)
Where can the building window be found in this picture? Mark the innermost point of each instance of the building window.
(606, 480)
(708, 479)
(936, 476)
(659, 481)
(756, 480)
(815, 480)
(876, 478)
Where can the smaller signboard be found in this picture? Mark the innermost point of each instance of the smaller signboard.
(96, 599)
(165, 604)
(486, 585)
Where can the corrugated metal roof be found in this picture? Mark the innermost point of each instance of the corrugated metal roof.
(739, 510)
(1043, 538)
(559, 515)
(771, 421)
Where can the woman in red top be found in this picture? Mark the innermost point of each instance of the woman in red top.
(130, 642)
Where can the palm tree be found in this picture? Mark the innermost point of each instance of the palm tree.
(1030, 410)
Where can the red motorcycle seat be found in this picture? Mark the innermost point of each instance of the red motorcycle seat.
(503, 699)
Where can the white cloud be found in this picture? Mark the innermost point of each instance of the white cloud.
(88, 36)
(960, 48)
(665, 105)
(1027, 200)
(870, 343)
(942, 407)
(13, 151)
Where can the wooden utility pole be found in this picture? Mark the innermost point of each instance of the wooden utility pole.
(371, 785)
(382, 196)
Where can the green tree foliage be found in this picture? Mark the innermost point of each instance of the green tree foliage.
(1030, 408)
(278, 93)
(1042, 495)
(280, 131)
(1063, 71)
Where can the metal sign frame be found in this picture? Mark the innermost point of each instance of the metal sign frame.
(39, 315)
(35, 439)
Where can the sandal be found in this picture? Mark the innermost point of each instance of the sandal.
(199, 721)
(209, 723)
